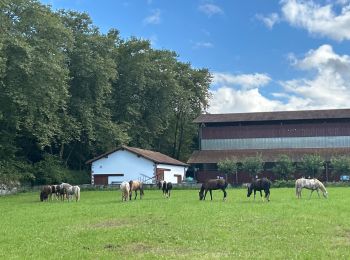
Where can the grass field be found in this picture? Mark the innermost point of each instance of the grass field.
(100, 226)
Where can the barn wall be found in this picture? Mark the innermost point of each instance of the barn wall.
(124, 162)
(173, 173)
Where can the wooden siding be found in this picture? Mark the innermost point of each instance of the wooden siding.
(276, 130)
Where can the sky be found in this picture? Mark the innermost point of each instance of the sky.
(262, 55)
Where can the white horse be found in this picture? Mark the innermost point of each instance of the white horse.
(125, 189)
(311, 184)
(73, 190)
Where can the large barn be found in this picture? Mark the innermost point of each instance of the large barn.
(294, 133)
(130, 163)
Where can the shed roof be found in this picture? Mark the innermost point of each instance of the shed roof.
(273, 116)
(268, 155)
(147, 154)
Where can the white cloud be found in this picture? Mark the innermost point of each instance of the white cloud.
(210, 9)
(318, 19)
(199, 45)
(228, 100)
(244, 80)
(154, 18)
(327, 87)
(269, 20)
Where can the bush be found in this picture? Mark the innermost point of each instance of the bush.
(283, 184)
(51, 171)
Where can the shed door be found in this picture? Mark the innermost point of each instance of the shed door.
(179, 178)
(160, 174)
(101, 180)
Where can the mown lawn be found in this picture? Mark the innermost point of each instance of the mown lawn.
(100, 226)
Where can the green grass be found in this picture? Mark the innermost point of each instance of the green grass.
(100, 226)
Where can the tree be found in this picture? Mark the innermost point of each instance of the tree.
(253, 165)
(228, 166)
(341, 165)
(284, 167)
(312, 165)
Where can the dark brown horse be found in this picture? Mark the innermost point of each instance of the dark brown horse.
(213, 184)
(135, 186)
(259, 185)
(46, 191)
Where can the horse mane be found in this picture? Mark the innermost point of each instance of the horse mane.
(322, 187)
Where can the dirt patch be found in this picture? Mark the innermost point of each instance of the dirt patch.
(111, 223)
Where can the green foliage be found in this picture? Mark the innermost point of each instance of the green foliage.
(51, 170)
(14, 173)
(284, 167)
(340, 164)
(253, 165)
(70, 91)
(228, 166)
(312, 165)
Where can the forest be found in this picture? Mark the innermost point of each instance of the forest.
(69, 92)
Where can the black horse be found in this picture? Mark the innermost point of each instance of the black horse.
(259, 185)
(166, 187)
(213, 184)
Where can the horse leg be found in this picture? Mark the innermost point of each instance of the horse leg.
(130, 195)
(205, 194)
(135, 194)
(225, 194)
(211, 195)
(318, 193)
(261, 196)
(254, 194)
(311, 194)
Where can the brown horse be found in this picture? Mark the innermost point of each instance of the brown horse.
(213, 184)
(46, 191)
(135, 186)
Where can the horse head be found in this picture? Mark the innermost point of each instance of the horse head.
(250, 190)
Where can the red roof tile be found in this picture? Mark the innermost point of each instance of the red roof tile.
(150, 155)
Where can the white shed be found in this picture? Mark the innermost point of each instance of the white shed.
(130, 163)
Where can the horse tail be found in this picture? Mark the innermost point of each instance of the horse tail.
(77, 193)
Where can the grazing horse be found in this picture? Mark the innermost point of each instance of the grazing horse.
(166, 188)
(55, 191)
(135, 186)
(125, 189)
(46, 191)
(73, 190)
(259, 185)
(63, 190)
(311, 184)
(213, 184)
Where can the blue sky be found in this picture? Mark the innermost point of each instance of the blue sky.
(263, 55)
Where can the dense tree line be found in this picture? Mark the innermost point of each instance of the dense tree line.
(69, 92)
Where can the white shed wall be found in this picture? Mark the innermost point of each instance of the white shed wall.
(174, 170)
(123, 162)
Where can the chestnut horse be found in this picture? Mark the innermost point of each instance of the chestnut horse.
(213, 184)
(135, 186)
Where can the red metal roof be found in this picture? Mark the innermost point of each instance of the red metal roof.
(272, 116)
(268, 155)
(150, 155)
